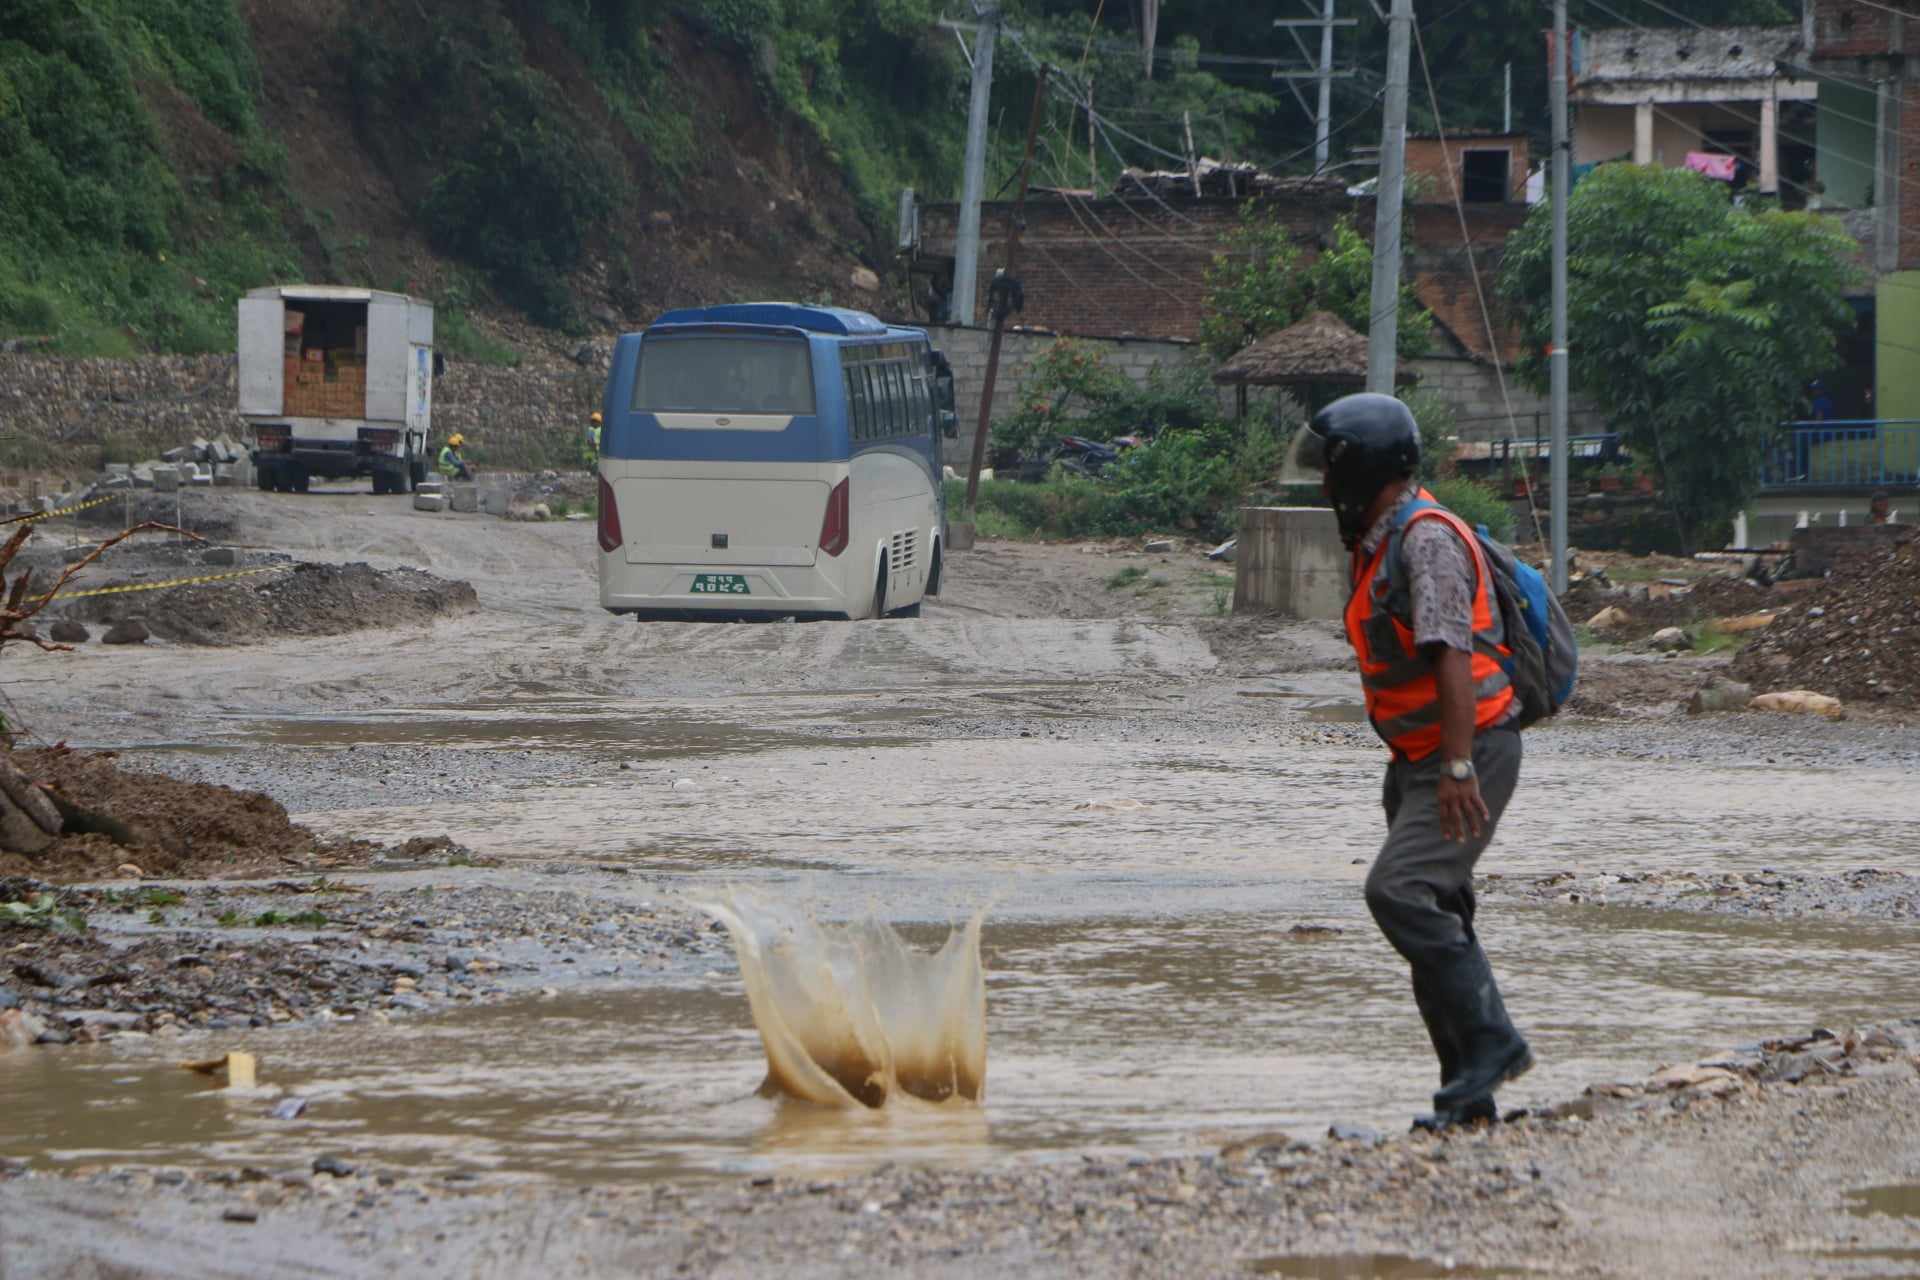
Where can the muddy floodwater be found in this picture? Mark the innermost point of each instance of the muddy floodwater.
(1175, 946)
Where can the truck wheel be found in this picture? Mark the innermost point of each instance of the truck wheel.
(418, 470)
(402, 478)
(380, 484)
(300, 479)
(263, 478)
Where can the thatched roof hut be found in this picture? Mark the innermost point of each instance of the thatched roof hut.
(1321, 351)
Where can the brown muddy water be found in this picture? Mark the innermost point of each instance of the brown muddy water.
(1143, 992)
(1114, 1036)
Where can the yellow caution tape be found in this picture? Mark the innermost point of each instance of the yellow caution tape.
(177, 582)
(63, 511)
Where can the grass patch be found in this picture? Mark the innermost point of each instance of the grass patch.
(457, 337)
(1126, 577)
(1709, 638)
(42, 912)
(299, 919)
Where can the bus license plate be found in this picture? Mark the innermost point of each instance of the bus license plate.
(719, 584)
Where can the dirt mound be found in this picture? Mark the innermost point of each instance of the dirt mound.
(1721, 596)
(168, 827)
(294, 600)
(1856, 639)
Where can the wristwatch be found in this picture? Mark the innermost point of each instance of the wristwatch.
(1459, 770)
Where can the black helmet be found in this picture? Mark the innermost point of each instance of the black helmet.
(1363, 443)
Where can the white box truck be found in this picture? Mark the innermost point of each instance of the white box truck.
(336, 382)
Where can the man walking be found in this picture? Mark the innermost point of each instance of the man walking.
(1425, 627)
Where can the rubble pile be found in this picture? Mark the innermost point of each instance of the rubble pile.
(1854, 639)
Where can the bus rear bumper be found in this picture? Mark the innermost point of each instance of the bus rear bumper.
(721, 593)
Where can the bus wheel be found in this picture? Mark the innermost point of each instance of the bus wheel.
(880, 594)
(933, 574)
(908, 611)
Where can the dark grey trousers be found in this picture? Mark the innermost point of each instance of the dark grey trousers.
(1420, 889)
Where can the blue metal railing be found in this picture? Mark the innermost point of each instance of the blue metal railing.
(1853, 453)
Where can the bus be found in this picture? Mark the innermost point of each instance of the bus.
(770, 460)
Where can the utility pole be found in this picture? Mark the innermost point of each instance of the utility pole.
(966, 239)
(1002, 299)
(1506, 102)
(1321, 71)
(1557, 357)
(1193, 167)
(1383, 326)
(1323, 118)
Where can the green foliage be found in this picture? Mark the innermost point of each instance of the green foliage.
(1697, 322)
(1439, 431)
(103, 245)
(456, 336)
(1123, 578)
(42, 911)
(1257, 285)
(1475, 502)
(1072, 389)
(300, 919)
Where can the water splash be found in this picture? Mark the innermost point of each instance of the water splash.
(851, 1014)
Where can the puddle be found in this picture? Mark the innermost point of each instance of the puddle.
(1116, 1036)
(1373, 1266)
(1894, 1202)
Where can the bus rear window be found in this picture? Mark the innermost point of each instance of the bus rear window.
(724, 375)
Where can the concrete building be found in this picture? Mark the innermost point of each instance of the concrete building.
(1658, 95)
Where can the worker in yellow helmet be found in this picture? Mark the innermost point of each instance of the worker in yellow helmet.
(452, 465)
(590, 445)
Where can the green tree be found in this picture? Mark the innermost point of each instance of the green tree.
(1694, 323)
(1257, 284)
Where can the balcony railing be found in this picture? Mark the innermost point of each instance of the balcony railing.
(1858, 453)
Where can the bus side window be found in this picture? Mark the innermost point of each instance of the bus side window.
(856, 403)
(896, 400)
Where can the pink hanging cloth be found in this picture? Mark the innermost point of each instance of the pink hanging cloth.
(1713, 164)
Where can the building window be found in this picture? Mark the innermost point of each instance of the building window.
(1484, 177)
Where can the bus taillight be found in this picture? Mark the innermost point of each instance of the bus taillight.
(610, 538)
(833, 529)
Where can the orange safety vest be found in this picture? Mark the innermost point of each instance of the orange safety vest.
(1402, 692)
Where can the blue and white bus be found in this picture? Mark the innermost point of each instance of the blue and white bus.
(766, 459)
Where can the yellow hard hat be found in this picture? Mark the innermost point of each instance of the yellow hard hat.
(596, 418)
(456, 439)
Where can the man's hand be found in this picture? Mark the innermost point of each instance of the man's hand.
(1462, 811)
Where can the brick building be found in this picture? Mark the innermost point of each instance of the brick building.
(1131, 265)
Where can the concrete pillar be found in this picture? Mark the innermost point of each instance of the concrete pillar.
(1290, 562)
(1643, 133)
(1769, 143)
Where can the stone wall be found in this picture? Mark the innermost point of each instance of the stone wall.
(69, 415)
(1472, 388)
(966, 349)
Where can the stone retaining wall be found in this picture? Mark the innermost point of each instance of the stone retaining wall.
(71, 415)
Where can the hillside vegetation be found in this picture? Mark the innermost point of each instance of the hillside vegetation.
(542, 167)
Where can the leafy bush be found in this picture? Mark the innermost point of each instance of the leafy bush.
(1476, 503)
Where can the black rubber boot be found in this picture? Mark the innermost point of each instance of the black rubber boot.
(1490, 1051)
(1447, 1050)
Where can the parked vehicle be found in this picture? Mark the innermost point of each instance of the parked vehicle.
(773, 460)
(336, 382)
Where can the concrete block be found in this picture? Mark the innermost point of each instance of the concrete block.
(495, 500)
(220, 556)
(165, 479)
(1289, 561)
(223, 474)
(143, 477)
(423, 501)
(959, 535)
(463, 497)
(199, 474)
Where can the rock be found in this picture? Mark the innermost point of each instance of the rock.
(333, 1165)
(8, 1000)
(865, 280)
(1225, 551)
(1609, 619)
(220, 555)
(685, 784)
(19, 1029)
(129, 871)
(74, 555)
(1720, 695)
(429, 502)
(1671, 640)
(1690, 1076)
(241, 1213)
(1158, 545)
(541, 511)
(127, 631)
(1341, 1132)
(1800, 702)
(660, 218)
(289, 1108)
(607, 316)
(67, 631)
